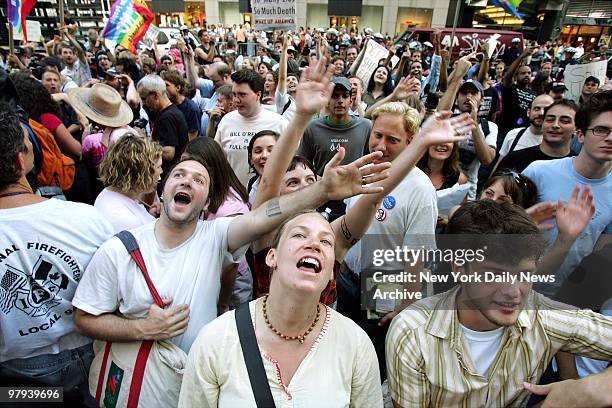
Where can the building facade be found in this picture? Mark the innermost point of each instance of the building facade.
(385, 16)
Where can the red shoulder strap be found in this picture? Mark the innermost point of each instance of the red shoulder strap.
(133, 249)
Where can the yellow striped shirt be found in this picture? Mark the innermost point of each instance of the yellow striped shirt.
(429, 363)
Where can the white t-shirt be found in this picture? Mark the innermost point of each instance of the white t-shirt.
(281, 101)
(471, 171)
(528, 139)
(340, 370)
(407, 217)
(484, 346)
(190, 274)
(235, 132)
(44, 250)
(122, 212)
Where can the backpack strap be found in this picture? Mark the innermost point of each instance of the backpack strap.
(252, 358)
(140, 365)
(484, 124)
(516, 140)
(133, 249)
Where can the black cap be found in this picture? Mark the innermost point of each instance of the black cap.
(342, 81)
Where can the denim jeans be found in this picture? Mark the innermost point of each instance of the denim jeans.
(68, 369)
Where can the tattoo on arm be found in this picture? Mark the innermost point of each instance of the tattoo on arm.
(273, 208)
(345, 229)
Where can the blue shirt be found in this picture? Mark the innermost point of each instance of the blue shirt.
(192, 114)
(556, 180)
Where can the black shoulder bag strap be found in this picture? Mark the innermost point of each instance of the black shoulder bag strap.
(252, 358)
(516, 140)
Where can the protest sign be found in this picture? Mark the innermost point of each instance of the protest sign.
(33, 32)
(151, 35)
(373, 54)
(274, 14)
(128, 23)
(575, 75)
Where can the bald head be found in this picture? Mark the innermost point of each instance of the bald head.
(219, 73)
(536, 111)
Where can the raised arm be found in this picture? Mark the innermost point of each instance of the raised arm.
(313, 92)
(405, 87)
(509, 76)
(438, 129)
(443, 85)
(484, 65)
(357, 62)
(405, 59)
(282, 67)
(572, 219)
(448, 99)
(338, 183)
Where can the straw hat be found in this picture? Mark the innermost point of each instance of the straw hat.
(102, 104)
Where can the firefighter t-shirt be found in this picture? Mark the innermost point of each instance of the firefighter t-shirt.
(44, 249)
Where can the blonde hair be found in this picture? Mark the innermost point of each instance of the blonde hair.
(129, 165)
(412, 118)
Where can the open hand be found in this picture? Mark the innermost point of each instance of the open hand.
(405, 87)
(314, 90)
(574, 217)
(355, 178)
(542, 212)
(441, 128)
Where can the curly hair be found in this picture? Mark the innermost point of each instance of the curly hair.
(129, 164)
(12, 142)
(35, 99)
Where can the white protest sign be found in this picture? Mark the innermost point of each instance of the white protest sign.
(274, 14)
(33, 30)
(373, 54)
(151, 35)
(491, 43)
(575, 75)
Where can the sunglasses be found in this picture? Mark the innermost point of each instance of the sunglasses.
(518, 177)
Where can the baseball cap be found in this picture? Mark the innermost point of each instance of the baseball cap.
(368, 30)
(184, 28)
(341, 81)
(592, 79)
(291, 48)
(516, 40)
(570, 50)
(470, 83)
(333, 31)
(556, 87)
(428, 44)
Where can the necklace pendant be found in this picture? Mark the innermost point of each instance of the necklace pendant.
(301, 339)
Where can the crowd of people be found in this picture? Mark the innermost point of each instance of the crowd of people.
(259, 173)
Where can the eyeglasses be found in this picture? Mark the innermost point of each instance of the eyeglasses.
(600, 131)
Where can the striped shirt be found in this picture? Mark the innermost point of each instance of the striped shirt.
(429, 362)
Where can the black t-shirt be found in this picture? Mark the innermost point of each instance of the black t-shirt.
(515, 103)
(170, 129)
(206, 51)
(520, 159)
(490, 103)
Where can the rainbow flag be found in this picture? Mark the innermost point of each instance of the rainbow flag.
(128, 23)
(510, 6)
(17, 12)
